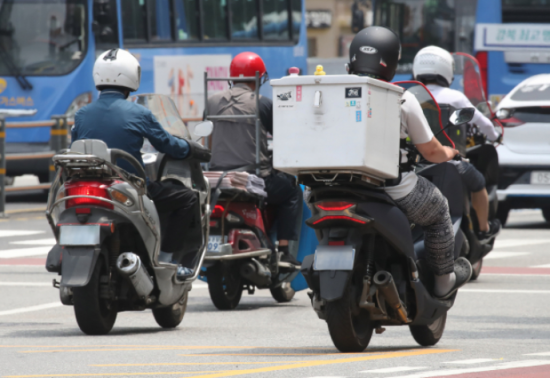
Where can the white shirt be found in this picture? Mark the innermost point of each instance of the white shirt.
(458, 100)
(415, 126)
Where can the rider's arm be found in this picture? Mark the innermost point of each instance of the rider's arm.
(162, 140)
(485, 125)
(435, 152)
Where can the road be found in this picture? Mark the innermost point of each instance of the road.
(499, 326)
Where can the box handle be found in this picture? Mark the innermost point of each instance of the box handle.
(317, 101)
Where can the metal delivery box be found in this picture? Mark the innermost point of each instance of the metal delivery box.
(336, 123)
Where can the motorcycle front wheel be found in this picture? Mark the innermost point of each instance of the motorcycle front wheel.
(429, 335)
(225, 286)
(171, 316)
(350, 327)
(94, 315)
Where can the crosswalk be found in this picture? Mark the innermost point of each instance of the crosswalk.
(20, 243)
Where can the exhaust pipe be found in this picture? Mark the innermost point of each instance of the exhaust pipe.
(129, 265)
(384, 281)
(256, 273)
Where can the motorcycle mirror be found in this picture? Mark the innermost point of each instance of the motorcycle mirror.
(203, 130)
(462, 116)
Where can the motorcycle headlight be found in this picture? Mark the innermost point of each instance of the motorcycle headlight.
(79, 102)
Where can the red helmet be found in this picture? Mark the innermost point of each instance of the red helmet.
(246, 64)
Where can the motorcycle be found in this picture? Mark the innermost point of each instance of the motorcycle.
(108, 232)
(369, 269)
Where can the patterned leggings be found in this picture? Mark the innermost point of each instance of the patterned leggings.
(427, 207)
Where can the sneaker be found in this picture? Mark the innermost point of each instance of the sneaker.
(288, 258)
(494, 229)
(184, 272)
(463, 272)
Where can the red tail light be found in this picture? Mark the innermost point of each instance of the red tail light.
(334, 205)
(339, 217)
(337, 242)
(483, 61)
(88, 188)
(217, 212)
(511, 122)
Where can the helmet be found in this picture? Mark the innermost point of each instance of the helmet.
(117, 68)
(246, 64)
(433, 63)
(375, 51)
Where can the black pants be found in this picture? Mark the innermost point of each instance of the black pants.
(285, 195)
(177, 207)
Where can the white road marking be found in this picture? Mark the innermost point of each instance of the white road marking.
(538, 354)
(507, 243)
(50, 241)
(504, 291)
(394, 369)
(26, 284)
(541, 266)
(199, 285)
(8, 233)
(504, 255)
(31, 308)
(472, 361)
(503, 366)
(24, 252)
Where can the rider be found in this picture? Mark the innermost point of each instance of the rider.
(434, 67)
(124, 125)
(234, 145)
(374, 52)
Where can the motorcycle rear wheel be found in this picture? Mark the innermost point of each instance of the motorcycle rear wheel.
(171, 316)
(429, 335)
(349, 331)
(225, 286)
(94, 315)
(283, 293)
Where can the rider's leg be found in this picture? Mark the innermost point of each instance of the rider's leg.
(480, 203)
(475, 183)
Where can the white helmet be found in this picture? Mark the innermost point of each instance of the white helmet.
(117, 68)
(433, 63)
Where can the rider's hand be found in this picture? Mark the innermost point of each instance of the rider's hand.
(451, 153)
(499, 139)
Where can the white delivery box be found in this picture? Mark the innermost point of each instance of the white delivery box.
(336, 123)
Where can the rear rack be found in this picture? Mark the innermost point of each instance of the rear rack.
(338, 177)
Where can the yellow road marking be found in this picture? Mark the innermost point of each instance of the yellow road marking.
(115, 348)
(324, 362)
(259, 354)
(109, 374)
(198, 363)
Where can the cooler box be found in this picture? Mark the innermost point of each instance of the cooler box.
(336, 123)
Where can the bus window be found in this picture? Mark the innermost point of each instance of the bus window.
(133, 18)
(160, 20)
(275, 19)
(214, 19)
(105, 24)
(525, 11)
(187, 20)
(296, 19)
(244, 19)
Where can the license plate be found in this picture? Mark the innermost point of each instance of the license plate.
(337, 257)
(540, 177)
(215, 243)
(79, 235)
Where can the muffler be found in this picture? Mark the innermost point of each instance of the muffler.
(129, 265)
(256, 273)
(384, 281)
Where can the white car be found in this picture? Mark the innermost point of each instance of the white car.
(524, 155)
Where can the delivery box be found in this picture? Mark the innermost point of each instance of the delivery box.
(336, 123)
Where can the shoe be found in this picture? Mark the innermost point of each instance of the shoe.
(494, 229)
(463, 272)
(288, 258)
(184, 272)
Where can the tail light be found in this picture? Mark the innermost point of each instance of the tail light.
(339, 217)
(88, 188)
(511, 122)
(217, 212)
(334, 205)
(483, 61)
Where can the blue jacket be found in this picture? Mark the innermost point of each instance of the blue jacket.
(123, 124)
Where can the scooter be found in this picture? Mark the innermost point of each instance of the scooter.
(108, 232)
(369, 269)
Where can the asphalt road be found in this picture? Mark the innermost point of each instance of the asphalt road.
(499, 326)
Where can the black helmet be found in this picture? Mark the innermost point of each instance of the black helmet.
(375, 51)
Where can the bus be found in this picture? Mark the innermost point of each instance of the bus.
(518, 48)
(48, 49)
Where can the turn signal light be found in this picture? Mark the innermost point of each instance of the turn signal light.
(334, 205)
(121, 197)
(339, 217)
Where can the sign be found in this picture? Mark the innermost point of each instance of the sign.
(503, 37)
(318, 19)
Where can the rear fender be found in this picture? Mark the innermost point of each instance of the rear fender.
(78, 264)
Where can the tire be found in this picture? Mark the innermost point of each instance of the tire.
(283, 293)
(476, 270)
(349, 332)
(429, 335)
(546, 213)
(171, 316)
(225, 286)
(502, 212)
(95, 316)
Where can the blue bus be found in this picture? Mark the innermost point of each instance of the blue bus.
(48, 48)
(455, 25)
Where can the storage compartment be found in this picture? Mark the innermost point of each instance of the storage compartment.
(336, 123)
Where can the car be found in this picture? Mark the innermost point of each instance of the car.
(524, 155)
